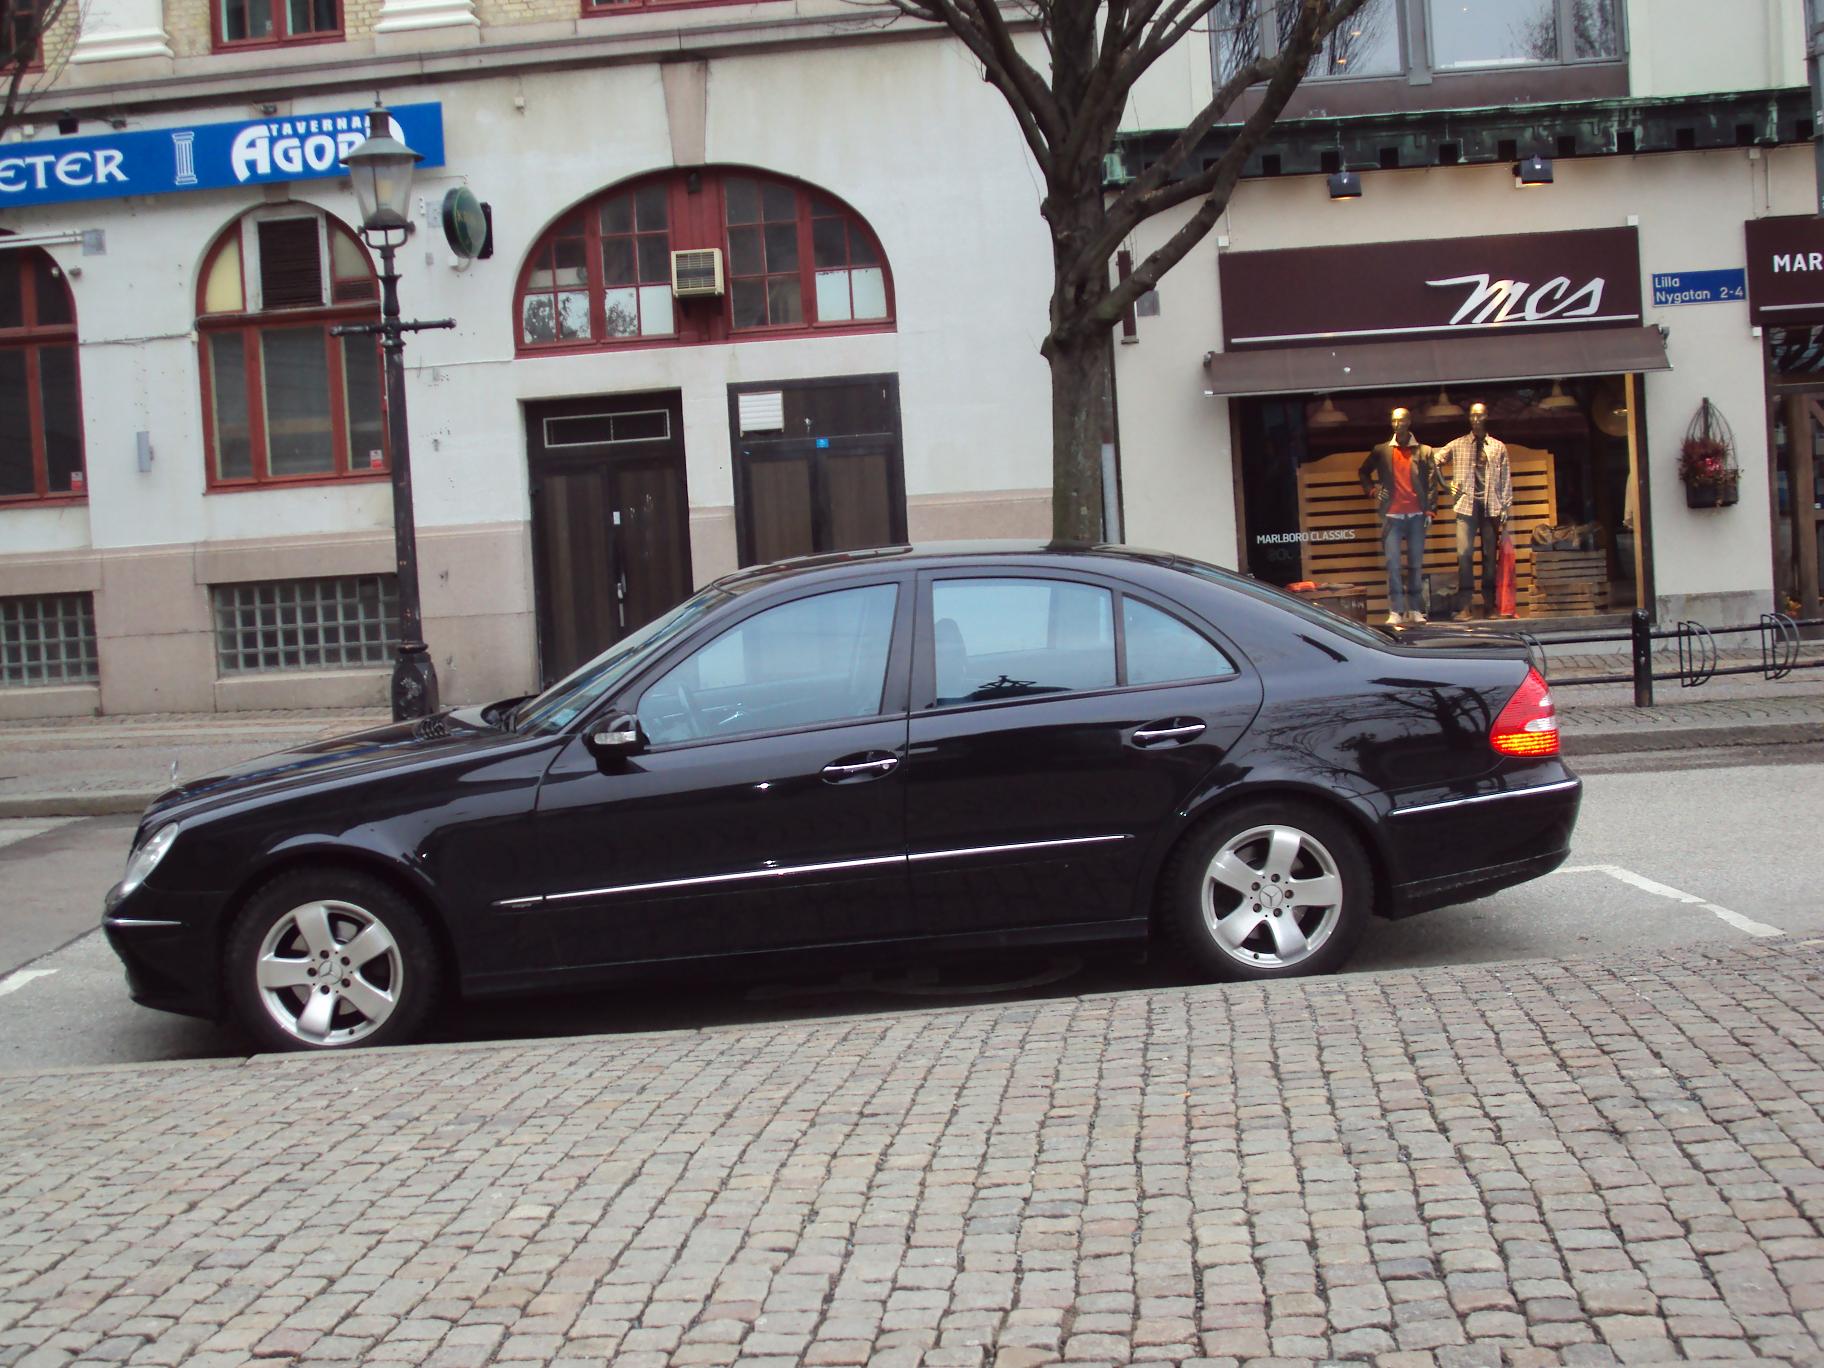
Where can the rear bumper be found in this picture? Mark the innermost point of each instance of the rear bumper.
(1453, 850)
(170, 955)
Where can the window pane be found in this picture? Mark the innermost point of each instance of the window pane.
(572, 315)
(623, 309)
(1366, 44)
(538, 318)
(870, 289)
(245, 19)
(1493, 32)
(223, 291)
(655, 258)
(784, 300)
(782, 247)
(818, 660)
(749, 303)
(62, 418)
(617, 214)
(15, 426)
(295, 372)
(744, 252)
(781, 202)
(572, 261)
(1595, 29)
(346, 258)
(1237, 35)
(649, 203)
(228, 389)
(53, 294)
(655, 311)
(861, 251)
(1008, 638)
(361, 389)
(1161, 648)
(617, 261)
(743, 198)
(12, 292)
(829, 242)
(833, 297)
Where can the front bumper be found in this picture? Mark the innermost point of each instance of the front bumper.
(168, 945)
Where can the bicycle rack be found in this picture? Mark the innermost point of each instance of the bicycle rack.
(1696, 655)
(1779, 645)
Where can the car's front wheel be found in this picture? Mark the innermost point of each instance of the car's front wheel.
(331, 959)
(1269, 890)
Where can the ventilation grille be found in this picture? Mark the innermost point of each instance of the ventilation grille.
(291, 264)
(696, 274)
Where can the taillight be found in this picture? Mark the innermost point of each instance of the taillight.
(1528, 725)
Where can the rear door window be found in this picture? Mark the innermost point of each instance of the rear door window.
(1162, 650)
(1012, 637)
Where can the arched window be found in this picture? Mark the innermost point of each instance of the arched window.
(794, 260)
(283, 399)
(40, 395)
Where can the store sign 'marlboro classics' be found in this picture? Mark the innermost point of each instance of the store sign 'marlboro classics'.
(1392, 291)
(1786, 271)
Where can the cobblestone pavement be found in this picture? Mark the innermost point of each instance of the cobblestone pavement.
(1530, 1163)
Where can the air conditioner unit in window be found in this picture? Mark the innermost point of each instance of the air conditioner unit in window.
(696, 274)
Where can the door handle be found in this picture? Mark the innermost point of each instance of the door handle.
(874, 768)
(1176, 729)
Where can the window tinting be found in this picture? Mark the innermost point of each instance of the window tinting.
(1160, 648)
(818, 660)
(1013, 638)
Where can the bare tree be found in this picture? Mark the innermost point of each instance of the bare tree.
(24, 70)
(1068, 114)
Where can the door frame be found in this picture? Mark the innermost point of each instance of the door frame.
(539, 461)
(787, 446)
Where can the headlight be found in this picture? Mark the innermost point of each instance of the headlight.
(144, 860)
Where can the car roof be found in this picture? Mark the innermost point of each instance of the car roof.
(927, 554)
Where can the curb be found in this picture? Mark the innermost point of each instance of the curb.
(1670, 738)
(108, 803)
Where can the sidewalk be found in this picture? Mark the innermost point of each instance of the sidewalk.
(1524, 1164)
(91, 766)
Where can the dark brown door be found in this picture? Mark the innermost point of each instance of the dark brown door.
(610, 520)
(824, 473)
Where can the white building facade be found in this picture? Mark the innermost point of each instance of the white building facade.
(195, 510)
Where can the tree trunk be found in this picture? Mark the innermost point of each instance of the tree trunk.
(1081, 421)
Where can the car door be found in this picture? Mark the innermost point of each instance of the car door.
(1058, 724)
(766, 810)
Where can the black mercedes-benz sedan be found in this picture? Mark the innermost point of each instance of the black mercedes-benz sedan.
(870, 753)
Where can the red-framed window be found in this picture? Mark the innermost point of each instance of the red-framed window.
(283, 400)
(643, 6)
(21, 34)
(40, 387)
(263, 23)
(794, 261)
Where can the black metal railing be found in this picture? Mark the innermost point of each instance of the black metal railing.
(1698, 656)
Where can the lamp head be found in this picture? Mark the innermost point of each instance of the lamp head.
(381, 169)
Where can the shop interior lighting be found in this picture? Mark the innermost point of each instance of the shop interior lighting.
(1535, 170)
(1345, 185)
(1443, 408)
(1327, 415)
(1557, 400)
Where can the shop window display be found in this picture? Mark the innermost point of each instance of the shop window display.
(1554, 463)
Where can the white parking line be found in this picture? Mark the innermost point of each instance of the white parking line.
(1646, 885)
(13, 982)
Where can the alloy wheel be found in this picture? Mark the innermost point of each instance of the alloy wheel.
(329, 973)
(1272, 896)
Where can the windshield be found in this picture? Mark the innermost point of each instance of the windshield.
(581, 689)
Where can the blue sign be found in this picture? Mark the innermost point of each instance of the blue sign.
(1699, 287)
(203, 156)
(822, 442)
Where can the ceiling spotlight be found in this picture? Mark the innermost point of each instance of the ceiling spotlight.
(1535, 170)
(1345, 185)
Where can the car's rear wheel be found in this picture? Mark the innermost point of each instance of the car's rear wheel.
(331, 959)
(1268, 890)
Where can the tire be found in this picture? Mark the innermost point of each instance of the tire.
(1209, 914)
(291, 927)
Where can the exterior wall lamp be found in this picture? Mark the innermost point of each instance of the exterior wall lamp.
(1345, 184)
(1535, 170)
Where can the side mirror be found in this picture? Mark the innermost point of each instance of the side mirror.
(615, 737)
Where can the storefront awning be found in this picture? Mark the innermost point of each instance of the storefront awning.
(1545, 354)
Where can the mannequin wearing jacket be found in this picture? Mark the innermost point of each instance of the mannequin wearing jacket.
(1482, 493)
(1401, 476)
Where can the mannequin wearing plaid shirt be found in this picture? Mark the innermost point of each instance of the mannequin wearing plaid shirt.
(1482, 493)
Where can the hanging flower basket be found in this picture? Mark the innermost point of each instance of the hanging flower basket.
(1706, 461)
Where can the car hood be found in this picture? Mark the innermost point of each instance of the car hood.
(395, 746)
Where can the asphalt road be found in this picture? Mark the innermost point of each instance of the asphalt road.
(1672, 849)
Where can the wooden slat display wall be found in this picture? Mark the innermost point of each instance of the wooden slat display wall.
(1331, 501)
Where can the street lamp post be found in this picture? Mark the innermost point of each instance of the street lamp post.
(381, 169)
